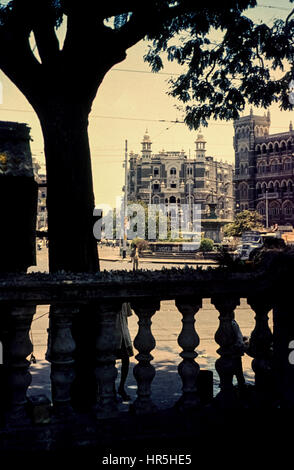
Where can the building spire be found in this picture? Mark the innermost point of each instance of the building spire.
(146, 145)
(268, 115)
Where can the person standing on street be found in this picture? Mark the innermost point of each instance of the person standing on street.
(135, 257)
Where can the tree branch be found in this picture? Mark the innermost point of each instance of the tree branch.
(46, 40)
(101, 9)
(16, 58)
(288, 18)
(141, 22)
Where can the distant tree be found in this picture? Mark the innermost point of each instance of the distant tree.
(62, 83)
(206, 244)
(140, 243)
(245, 220)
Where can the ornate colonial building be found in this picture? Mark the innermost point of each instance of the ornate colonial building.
(264, 169)
(173, 177)
(41, 179)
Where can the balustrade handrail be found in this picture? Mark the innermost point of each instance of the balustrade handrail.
(36, 288)
(266, 286)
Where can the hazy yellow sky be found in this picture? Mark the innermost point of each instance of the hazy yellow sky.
(130, 100)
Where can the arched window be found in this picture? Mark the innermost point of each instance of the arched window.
(243, 188)
(274, 208)
(264, 149)
(283, 146)
(274, 166)
(290, 186)
(173, 171)
(258, 189)
(270, 148)
(261, 208)
(271, 187)
(287, 208)
(287, 164)
(284, 186)
(277, 148)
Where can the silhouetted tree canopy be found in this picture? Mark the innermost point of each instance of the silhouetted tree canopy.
(225, 58)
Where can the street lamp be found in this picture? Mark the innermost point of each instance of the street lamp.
(150, 189)
(266, 209)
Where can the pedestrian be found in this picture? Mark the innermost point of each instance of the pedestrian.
(125, 348)
(241, 345)
(135, 257)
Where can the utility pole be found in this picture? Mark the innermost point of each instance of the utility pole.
(266, 209)
(125, 202)
(190, 215)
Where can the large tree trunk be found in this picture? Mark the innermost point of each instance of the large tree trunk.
(70, 199)
(72, 246)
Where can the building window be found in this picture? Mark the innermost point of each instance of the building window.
(156, 171)
(173, 185)
(274, 210)
(287, 209)
(156, 187)
(261, 209)
(243, 188)
(173, 171)
(189, 170)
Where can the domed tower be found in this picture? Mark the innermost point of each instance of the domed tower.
(146, 146)
(199, 183)
(200, 147)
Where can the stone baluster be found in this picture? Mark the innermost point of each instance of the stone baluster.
(144, 372)
(230, 350)
(261, 347)
(107, 342)
(61, 347)
(188, 340)
(19, 347)
(283, 335)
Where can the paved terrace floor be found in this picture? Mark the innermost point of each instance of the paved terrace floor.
(166, 326)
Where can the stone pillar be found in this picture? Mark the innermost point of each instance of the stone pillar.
(61, 347)
(261, 348)
(144, 372)
(229, 351)
(106, 346)
(19, 347)
(283, 337)
(188, 340)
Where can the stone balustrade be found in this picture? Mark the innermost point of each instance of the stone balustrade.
(102, 294)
